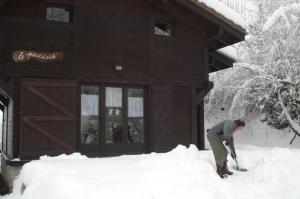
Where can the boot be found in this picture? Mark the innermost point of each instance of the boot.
(220, 171)
(225, 169)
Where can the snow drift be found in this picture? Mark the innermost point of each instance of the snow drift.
(181, 173)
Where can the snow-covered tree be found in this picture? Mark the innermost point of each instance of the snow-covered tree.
(237, 5)
(266, 79)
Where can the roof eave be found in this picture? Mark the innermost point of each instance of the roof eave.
(219, 61)
(214, 17)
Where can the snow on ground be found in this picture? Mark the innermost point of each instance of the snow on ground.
(183, 173)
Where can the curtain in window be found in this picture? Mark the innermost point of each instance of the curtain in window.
(135, 107)
(89, 105)
(113, 97)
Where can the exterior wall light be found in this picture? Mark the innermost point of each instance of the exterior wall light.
(118, 67)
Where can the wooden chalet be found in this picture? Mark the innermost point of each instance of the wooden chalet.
(106, 77)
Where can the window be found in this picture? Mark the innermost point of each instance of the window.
(89, 115)
(60, 14)
(113, 115)
(135, 115)
(163, 29)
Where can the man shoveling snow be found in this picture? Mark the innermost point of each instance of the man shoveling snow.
(223, 131)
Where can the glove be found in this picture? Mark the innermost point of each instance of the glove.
(230, 144)
(233, 155)
(227, 143)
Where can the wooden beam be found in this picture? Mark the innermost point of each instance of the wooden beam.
(218, 35)
(48, 100)
(157, 3)
(45, 133)
(219, 61)
(213, 67)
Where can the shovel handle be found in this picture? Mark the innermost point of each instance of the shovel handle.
(237, 164)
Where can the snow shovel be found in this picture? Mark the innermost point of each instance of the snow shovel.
(237, 164)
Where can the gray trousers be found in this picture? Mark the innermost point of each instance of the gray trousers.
(219, 150)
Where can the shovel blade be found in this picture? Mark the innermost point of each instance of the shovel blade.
(240, 169)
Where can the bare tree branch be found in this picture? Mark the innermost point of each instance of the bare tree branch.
(291, 142)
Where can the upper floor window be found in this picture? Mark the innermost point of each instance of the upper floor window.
(60, 14)
(163, 29)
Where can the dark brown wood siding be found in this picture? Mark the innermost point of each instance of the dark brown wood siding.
(21, 8)
(2, 50)
(103, 34)
(171, 117)
(113, 35)
(48, 117)
(181, 115)
(108, 33)
(161, 117)
(28, 34)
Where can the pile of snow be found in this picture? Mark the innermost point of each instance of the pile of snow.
(225, 11)
(181, 173)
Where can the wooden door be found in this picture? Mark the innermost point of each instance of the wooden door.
(48, 117)
(161, 118)
(171, 117)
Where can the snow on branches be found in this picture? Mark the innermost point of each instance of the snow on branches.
(266, 81)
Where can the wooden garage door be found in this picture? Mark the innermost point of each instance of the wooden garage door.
(48, 117)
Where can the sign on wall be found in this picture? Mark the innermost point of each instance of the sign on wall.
(25, 55)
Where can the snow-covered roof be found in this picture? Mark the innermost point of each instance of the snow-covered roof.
(228, 52)
(224, 13)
